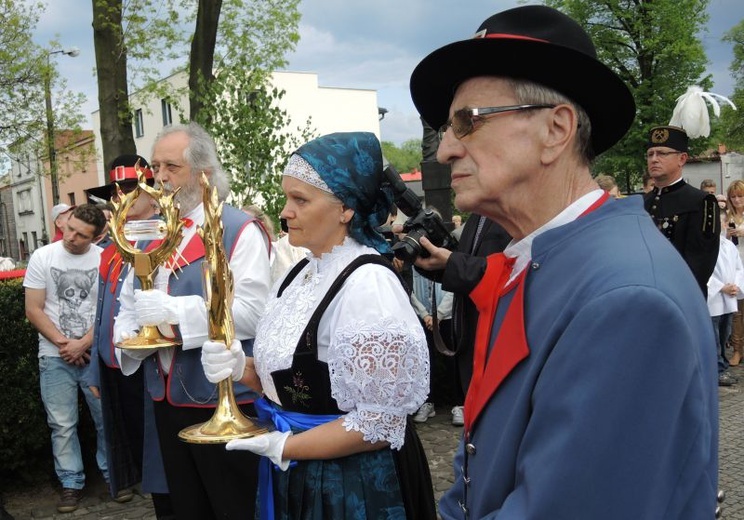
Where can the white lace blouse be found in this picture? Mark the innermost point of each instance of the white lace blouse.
(369, 336)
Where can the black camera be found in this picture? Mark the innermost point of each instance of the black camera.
(422, 222)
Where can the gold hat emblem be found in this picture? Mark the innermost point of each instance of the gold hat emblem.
(659, 135)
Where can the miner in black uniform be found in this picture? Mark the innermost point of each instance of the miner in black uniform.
(687, 216)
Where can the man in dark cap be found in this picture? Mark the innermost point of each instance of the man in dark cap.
(687, 216)
(133, 451)
(564, 419)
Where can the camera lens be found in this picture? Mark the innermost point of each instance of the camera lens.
(409, 248)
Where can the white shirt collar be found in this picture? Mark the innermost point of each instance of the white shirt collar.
(522, 249)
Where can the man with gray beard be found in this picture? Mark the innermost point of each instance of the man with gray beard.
(205, 481)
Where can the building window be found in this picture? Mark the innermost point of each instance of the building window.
(24, 246)
(139, 123)
(24, 203)
(34, 240)
(71, 195)
(167, 113)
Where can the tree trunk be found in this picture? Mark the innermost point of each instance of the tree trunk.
(113, 93)
(202, 55)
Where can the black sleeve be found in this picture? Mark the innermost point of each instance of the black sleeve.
(703, 241)
(463, 272)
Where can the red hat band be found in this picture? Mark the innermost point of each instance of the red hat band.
(485, 34)
(128, 173)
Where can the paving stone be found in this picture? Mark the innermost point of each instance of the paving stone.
(439, 438)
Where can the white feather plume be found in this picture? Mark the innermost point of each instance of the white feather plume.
(691, 111)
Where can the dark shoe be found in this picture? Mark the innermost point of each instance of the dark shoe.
(69, 500)
(124, 495)
(725, 379)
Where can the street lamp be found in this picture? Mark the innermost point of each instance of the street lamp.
(72, 52)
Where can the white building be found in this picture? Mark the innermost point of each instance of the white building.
(330, 110)
(722, 167)
(29, 203)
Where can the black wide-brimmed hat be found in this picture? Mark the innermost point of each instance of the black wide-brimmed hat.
(124, 172)
(534, 43)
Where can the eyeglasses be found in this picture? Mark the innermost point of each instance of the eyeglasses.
(463, 120)
(168, 167)
(652, 153)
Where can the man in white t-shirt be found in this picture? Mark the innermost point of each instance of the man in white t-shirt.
(61, 289)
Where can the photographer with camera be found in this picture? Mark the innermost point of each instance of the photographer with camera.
(459, 272)
(458, 266)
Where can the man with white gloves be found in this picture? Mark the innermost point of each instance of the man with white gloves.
(205, 482)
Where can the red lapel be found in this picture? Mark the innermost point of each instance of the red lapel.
(509, 349)
(109, 258)
(193, 251)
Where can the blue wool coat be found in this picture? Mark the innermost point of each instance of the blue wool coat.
(613, 413)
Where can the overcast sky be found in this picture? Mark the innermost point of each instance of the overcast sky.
(369, 45)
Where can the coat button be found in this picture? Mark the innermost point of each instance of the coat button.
(535, 266)
(470, 448)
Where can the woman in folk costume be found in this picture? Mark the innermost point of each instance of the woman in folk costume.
(339, 352)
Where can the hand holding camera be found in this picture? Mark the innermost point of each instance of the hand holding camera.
(422, 223)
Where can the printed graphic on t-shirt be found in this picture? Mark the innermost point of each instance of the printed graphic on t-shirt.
(72, 288)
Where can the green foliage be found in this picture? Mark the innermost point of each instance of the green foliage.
(731, 129)
(24, 435)
(24, 66)
(406, 158)
(249, 132)
(654, 48)
(240, 106)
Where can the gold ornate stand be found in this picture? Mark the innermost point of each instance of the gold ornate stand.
(146, 264)
(227, 422)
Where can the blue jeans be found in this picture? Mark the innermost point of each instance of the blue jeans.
(59, 382)
(722, 329)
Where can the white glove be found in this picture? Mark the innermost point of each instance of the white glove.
(219, 362)
(155, 307)
(269, 445)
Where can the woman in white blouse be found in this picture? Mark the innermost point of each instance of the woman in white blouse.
(339, 354)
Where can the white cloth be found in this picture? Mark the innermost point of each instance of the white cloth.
(369, 335)
(250, 268)
(729, 269)
(522, 249)
(71, 284)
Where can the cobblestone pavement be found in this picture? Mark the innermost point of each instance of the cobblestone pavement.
(440, 440)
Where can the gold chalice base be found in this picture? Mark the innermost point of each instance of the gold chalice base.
(149, 337)
(220, 430)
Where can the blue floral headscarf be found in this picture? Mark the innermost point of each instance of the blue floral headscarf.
(350, 164)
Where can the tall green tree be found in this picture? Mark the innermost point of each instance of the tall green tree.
(228, 47)
(113, 89)
(239, 105)
(406, 158)
(732, 122)
(24, 67)
(653, 46)
(132, 41)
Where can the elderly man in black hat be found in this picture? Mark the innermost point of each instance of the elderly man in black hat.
(133, 451)
(687, 216)
(564, 419)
